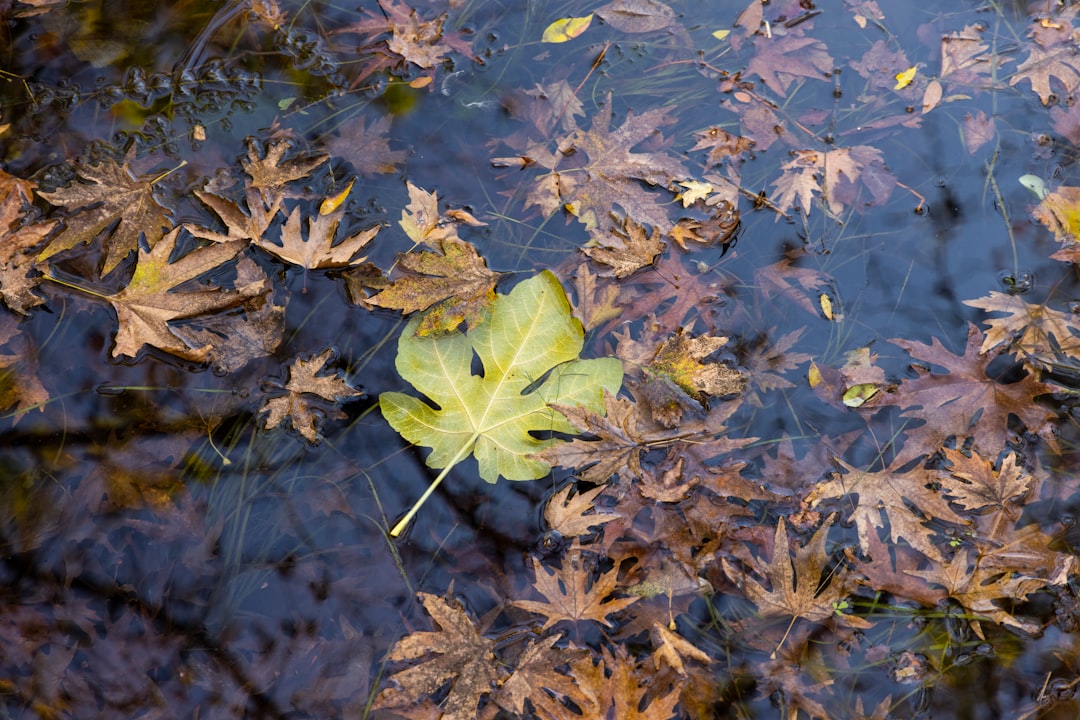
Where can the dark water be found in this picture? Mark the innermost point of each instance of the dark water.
(145, 576)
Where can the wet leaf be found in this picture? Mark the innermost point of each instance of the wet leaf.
(573, 593)
(151, 301)
(529, 337)
(319, 249)
(566, 29)
(535, 676)
(455, 655)
(19, 237)
(574, 516)
(456, 276)
(625, 250)
(311, 394)
(637, 16)
(107, 195)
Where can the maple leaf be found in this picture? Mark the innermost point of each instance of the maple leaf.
(965, 401)
(239, 225)
(617, 449)
(570, 516)
(1039, 332)
(318, 250)
(150, 302)
(108, 194)
(977, 588)
(535, 672)
(626, 691)
(625, 250)
(311, 395)
(679, 359)
(779, 60)
(785, 279)
(965, 59)
(796, 588)
(366, 147)
(271, 172)
(833, 174)
(974, 485)
(894, 493)
(721, 144)
(770, 360)
(456, 276)
(19, 236)
(612, 175)
(571, 592)
(459, 656)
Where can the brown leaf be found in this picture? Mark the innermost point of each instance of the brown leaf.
(20, 388)
(617, 449)
(626, 691)
(570, 516)
(310, 396)
(108, 194)
(1050, 57)
(796, 587)
(270, 173)
(455, 654)
(1037, 331)
(366, 147)
(571, 592)
(996, 496)
(318, 250)
(637, 16)
(679, 358)
(779, 60)
(239, 225)
(965, 401)
(150, 302)
(19, 236)
(455, 276)
(624, 250)
(536, 672)
(905, 498)
(721, 144)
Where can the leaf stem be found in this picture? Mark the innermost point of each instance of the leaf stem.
(462, 453)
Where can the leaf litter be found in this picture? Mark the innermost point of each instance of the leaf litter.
(682, 539)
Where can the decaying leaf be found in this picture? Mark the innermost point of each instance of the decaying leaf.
(571, 516)
(19, 237)
(573, 594)
(153, 300)
(530, 336)
(1039, 332)
(108, 194)
(311, 394)
(624, 250)
(318, 250)
(456, 654)
(535, 676)
(795, 586)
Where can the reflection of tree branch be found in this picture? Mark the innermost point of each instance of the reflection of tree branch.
(25, 568)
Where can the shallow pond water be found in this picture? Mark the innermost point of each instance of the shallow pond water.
(165, 553)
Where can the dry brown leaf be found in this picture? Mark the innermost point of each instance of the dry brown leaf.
(1039, 332)
(310, 396)
(571, 592)
(19, 236)
(318, 250)
(536, 672)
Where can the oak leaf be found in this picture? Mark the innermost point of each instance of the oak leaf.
(572, 593)
(151, 301)
(455, 654)
(108, 194)
(310, 395)
(1051, 57)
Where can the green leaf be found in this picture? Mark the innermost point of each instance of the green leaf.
(529, 337)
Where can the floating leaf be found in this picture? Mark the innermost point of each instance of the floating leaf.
(529, 350)
(566, 29)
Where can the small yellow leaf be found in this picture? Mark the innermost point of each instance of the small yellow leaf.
(566, 29)
(856, 395)
(420, 82)
(904, 79)
(814, 375)
(826, 306)
(721, 34)
(331, 204)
